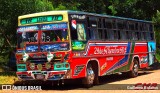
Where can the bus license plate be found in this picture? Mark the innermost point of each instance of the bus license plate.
(39, 76)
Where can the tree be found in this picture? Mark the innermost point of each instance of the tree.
(10, 10)
(156, 20)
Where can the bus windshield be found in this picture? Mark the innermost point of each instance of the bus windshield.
(54, 40)
(43, 40)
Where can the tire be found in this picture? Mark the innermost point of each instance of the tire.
(90, 77)
(134, 72)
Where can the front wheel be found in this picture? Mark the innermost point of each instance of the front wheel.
(89, 79)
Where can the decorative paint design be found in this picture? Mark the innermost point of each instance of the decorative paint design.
(103, 66)
(78, 45)
(81, 33)
(105, 48)
(122, 61)
(144, 59)
(78, 69)
(74, 24)
(110, 50)
(31, 48)
(78, 16)
(27, 28)
(55, 47)
(151, 50)
(48, 47)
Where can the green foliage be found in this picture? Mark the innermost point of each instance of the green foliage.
(61, 7)
(156, 20)
(112, 9)
(158, 54)
(10, 10)
(4, 59)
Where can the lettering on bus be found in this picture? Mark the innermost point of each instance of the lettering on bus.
(110, 50)
(78, 16)
(40, 19)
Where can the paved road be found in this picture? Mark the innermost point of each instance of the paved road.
(112, 83)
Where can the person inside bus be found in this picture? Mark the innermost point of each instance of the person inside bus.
(81, 32)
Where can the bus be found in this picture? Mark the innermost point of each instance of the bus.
(61, 45)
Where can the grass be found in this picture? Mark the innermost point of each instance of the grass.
(8, 77)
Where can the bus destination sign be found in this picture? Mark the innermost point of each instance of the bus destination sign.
(40, 19)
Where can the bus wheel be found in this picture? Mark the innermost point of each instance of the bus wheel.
(89, 79)
(134, 72)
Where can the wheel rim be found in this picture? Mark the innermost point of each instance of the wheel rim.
(135, 68)
(91, 75)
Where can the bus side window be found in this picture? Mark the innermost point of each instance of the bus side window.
(115, 35)
(91, 33)
(100, 33)
(119, 34)
(111, 34)
(142, 36)
(127, 35)
(134, 36)
(106, 35)
(145, 36)
(138, 35)
(150, 28)
(73, 34)
(123, 35)
(152, 36)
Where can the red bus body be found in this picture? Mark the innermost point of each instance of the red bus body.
(108, 57)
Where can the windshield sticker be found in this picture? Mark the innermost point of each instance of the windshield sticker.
(27, 28)
(74, 24)
(54, 26)
(78, 45)
(31, 48)
(55, 47)
(81, 32)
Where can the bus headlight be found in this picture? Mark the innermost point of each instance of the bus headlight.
(48, 65)
(25, 57)
(49, 57)
(32, 66)
(39, 66)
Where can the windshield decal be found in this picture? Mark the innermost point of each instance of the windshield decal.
(31, 48)
(54, 26)
(27, 28)
(55, 47)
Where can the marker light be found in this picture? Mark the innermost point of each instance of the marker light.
(32, 66)
(49, 57)
(25, 57)
(48, 65)
(39, 66)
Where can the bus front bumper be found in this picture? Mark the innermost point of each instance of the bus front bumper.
(44, 75)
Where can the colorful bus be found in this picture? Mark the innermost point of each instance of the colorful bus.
(60, 45)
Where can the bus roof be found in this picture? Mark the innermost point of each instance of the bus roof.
(109, 16)
(80, 12)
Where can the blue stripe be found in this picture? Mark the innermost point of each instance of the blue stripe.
(122, 61)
